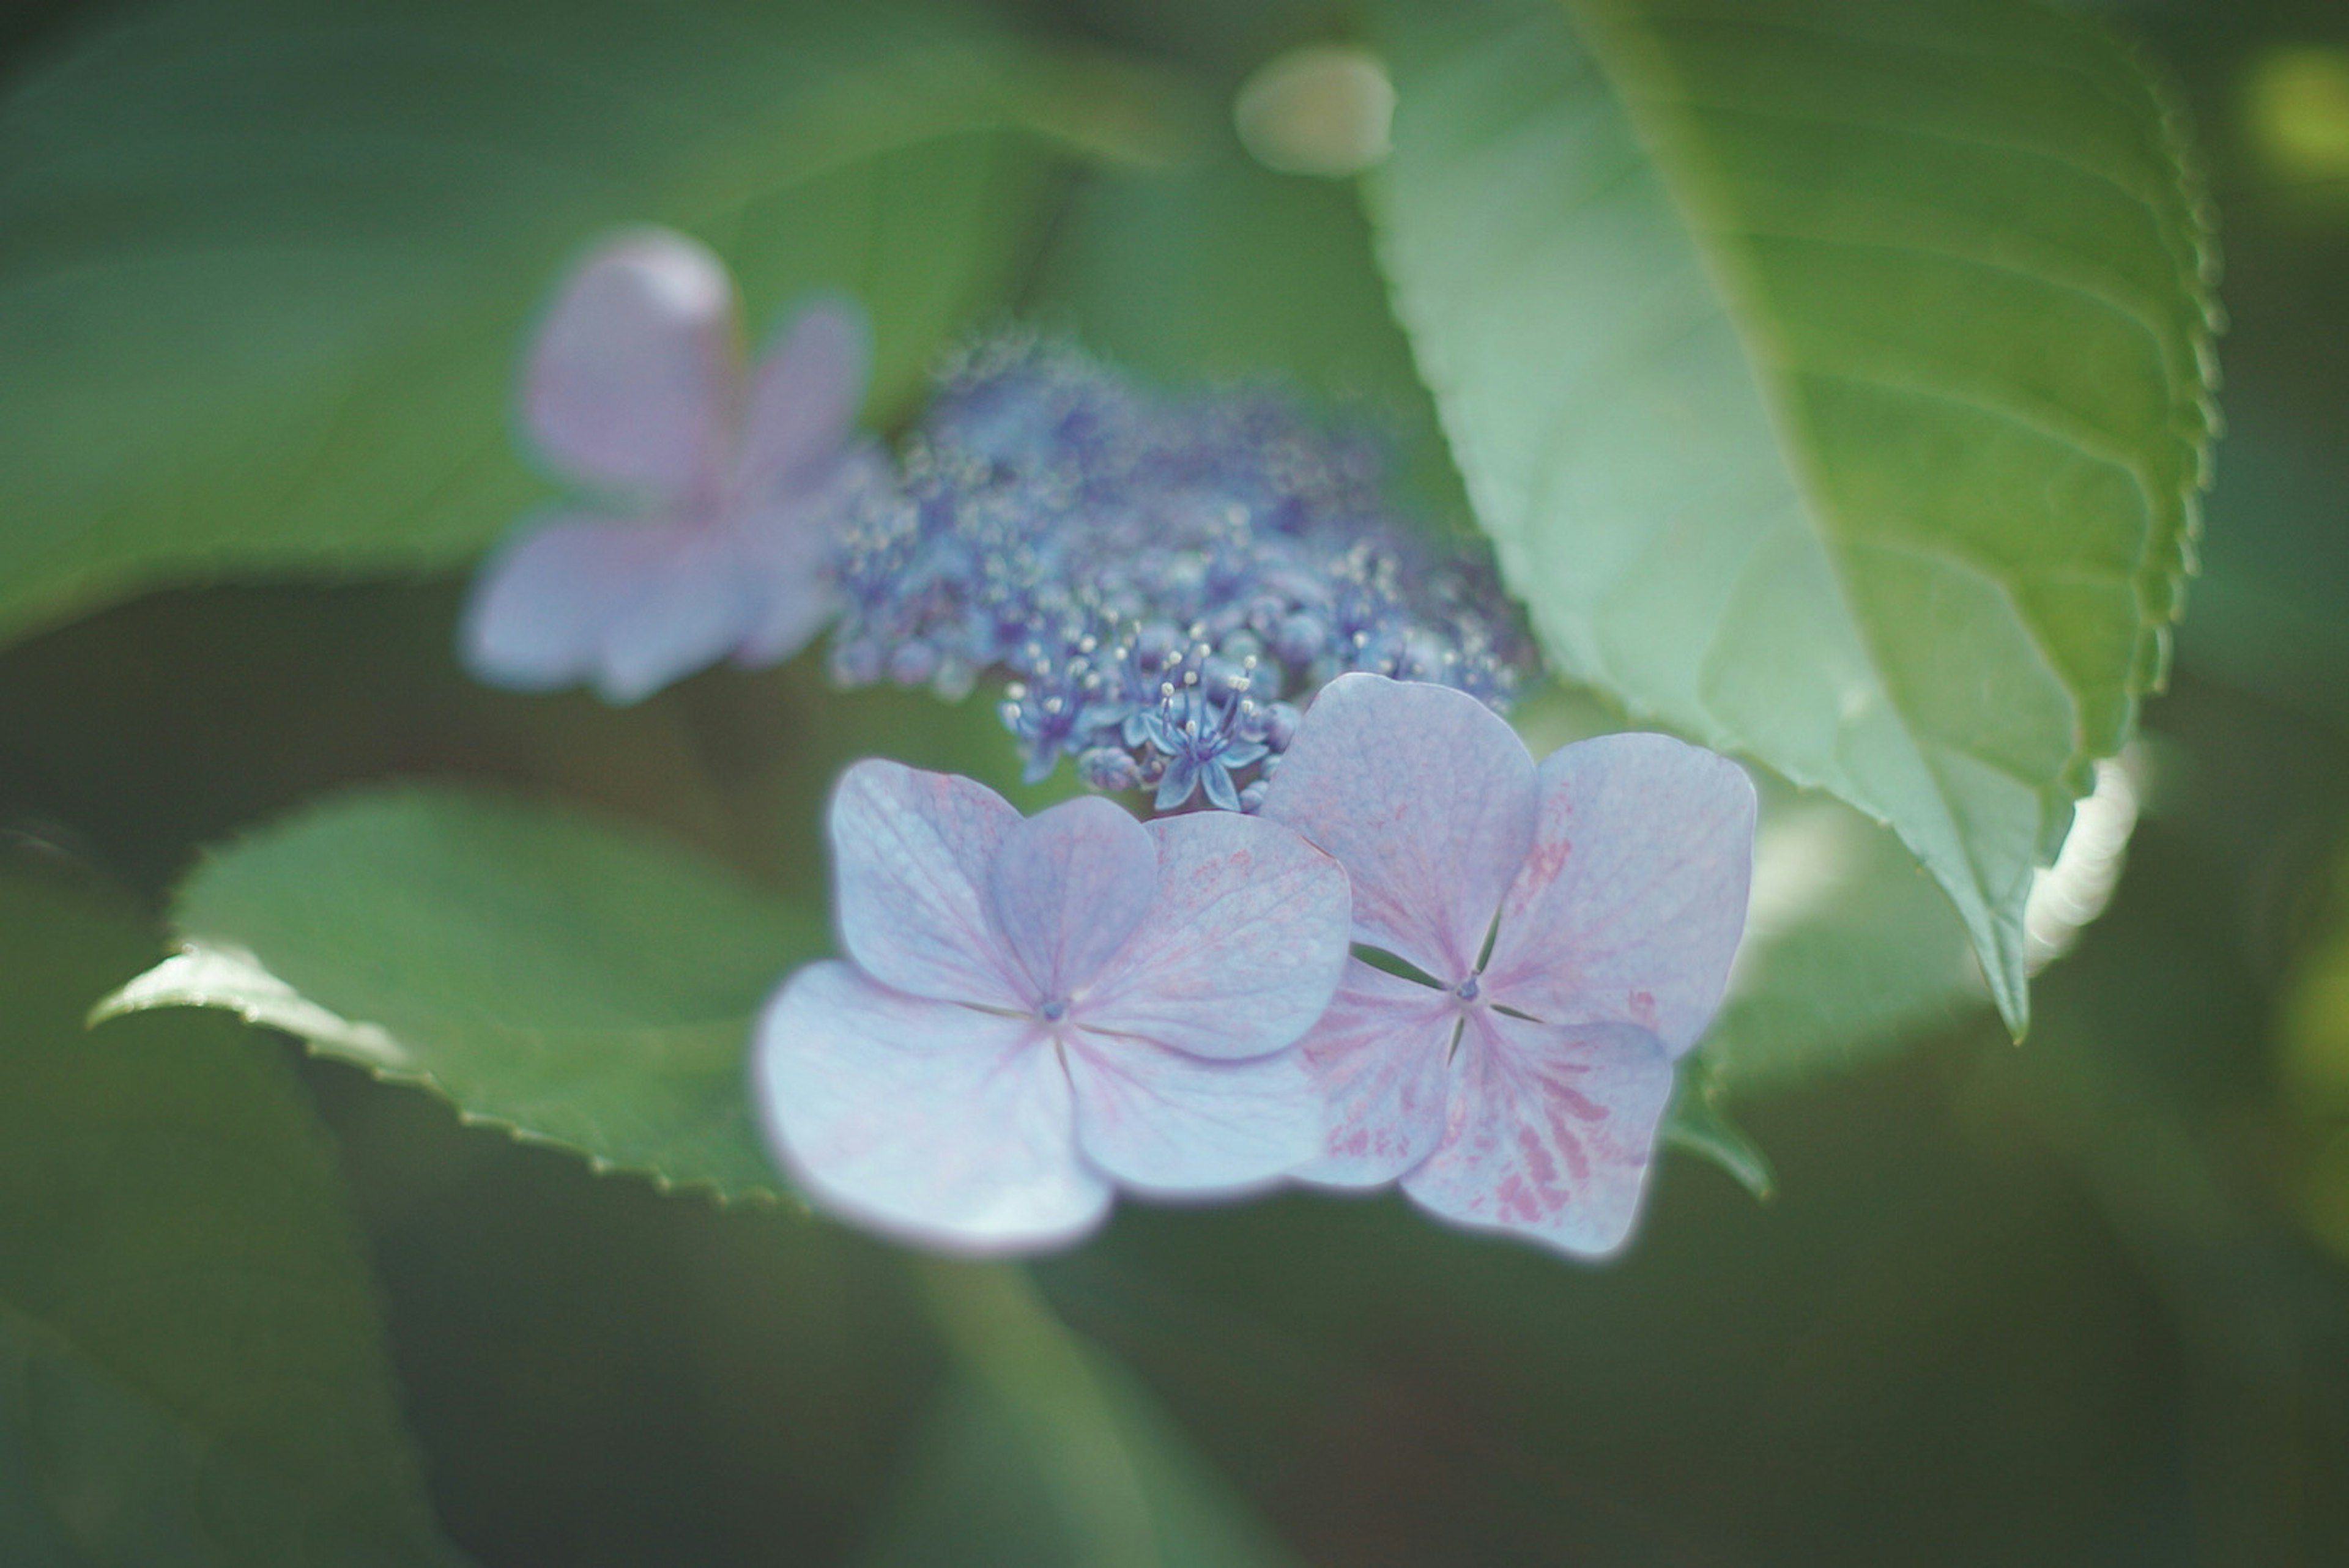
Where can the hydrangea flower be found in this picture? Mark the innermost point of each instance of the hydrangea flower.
(1577, 923)
(1152, 576)
(1038, 1011)
(710, 496)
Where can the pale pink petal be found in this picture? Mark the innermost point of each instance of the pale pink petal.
(1549, 1132)
(541, 606)
(632, 382)
(696, 604)
(792, 610)
(1068, 887)
(1426, 797)
(804, 395)
(788, 543)
(1172, 1124)
(1630, 906)
(1381, 1058)
(934, 1123)
(1242, 945)
(910, 853)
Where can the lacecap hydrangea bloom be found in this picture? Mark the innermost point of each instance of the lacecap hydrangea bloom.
(708, 495)
(1572, 926)
(1037, 1012)
(1161, 581)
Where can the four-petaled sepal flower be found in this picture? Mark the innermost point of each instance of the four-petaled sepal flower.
(1039, 1011)
(712, 494)
(1578, 920)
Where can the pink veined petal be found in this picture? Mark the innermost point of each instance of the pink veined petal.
(696, 605)
(911, 857)
(1172, 1124)
(1426, 795)
(1241, 947)
(1069, 885)
(1381, 1059)
(632, 382)
(934, 1123)
(804, 395)
(1631, 904)
(1549, 1132)
(541, 607)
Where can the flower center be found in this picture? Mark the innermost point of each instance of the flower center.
(1467, 990)
(1053, 1011)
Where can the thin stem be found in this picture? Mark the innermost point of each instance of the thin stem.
(1008, 1339)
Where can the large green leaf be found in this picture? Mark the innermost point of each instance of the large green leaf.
(574, 984)
(267, 268)
(1832, 378)
(190, 1371)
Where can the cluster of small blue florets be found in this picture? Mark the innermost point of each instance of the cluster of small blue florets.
(1160, 580)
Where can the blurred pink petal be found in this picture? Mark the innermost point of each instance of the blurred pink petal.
(633, 382)
(1381, 1059)
(1168, 1122)
(803, 398)
(934, 1123)
(1426, 795)
(1629, 907)
(633, 387)
(787, 546)
(1548, 1133)
(538, 610)
(1068, 886)
(697, 603)
(1242, 945)
(911, 852)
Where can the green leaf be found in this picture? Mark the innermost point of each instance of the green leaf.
(269, 269)
(1043, 1452)
(1697, 1123)
(1850, 950)
(191, 1367)
(1832, 378)
(572, 983)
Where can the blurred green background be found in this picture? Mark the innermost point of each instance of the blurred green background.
(2081, 1301)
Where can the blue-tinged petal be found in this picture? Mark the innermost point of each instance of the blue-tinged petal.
(1630, 906)
(632, 383)
(1222, 793)
(1171, 1124)
(540, 607)
(804, 395)
(936, 1124)
(1549, 1133)
(1426, 795)
(1068, 886)
(1177, 784)
(1381, 1059)
(697, 603)
(788, 545)
(911, 852)
(1242, 945)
